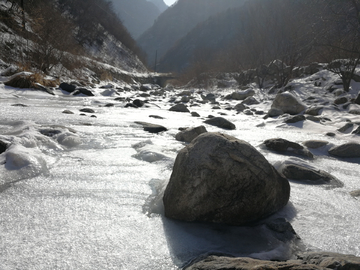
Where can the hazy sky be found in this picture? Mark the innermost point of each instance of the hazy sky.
(169, 2)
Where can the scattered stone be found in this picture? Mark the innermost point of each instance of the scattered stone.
(218, 178)
(287, 147)
(240, 107)
(138, 103)
(299, 172)
(83, 91)
(347, 150)
(19, 105)
(209, 97)
(341, 100)
(216, 107)
(355, 193)
(109, 105)
(313, 144)
(314, 110)
(346, 127)
(330, 134)
(313, 118)
(195, 114)
(288, 103)
(248, 112)
(241, 95)
(87, 110)
(152, 128)
(67, 112)
(250, 101)
(274, 112)
(156, 116)
(189, 134)
(295, 119)
(221, 123)
(179, 108)
(93, 116)
(67, 87)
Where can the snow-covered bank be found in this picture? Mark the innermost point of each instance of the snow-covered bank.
(82, 192)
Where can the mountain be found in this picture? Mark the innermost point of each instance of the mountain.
(73, 34)
(177, 21)
(160, 4)
(247, 37)
(138, 15)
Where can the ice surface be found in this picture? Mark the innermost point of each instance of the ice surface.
(85, 193)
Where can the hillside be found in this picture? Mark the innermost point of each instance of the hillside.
(177, 21)
(65, 37)
(138, 15)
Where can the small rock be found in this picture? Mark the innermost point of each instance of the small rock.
(221, 123)
(138, 103)
(156, 116)
(295, 119)
(288, 103)
(195, 114)
(314, 110)
(355, 193)
(346, 127)
(273, 112)
(189, 134)
(347, 150)
(87, 110)
(179, 108)
(240, 107)
(315, 143)
(67, 87)
(152, 128)
(341, 100)
(287, 147)
(67, 112)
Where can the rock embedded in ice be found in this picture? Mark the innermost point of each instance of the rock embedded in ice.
(341, 100)
(295, 119)
(250, 101)
(288, 103)
(355, 193)
(179, 108)
(299, 172)
(189, 134)
(221, 123)
(83, 91)
(218, 178)
(314, 110)
(241, 95)
(67, 87)
(315, 143)
(287, 147)
(152, 128)
(347, 150)
(346, 127)
(273, 112)
(67, 112)
(87, 110)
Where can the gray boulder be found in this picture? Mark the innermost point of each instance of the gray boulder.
(273, 112)
(220, 122)
(179, 108)
(218, 178)
(288, 103)
(347, 150)
(189, 134)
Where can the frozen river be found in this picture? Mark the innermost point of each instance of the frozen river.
(79, 192)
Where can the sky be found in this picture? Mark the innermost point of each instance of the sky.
(169, 2)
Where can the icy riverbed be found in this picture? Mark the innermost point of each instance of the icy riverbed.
(78, 192)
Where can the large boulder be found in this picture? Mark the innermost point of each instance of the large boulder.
(218, 178)
(288, 103)
(179, 108)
